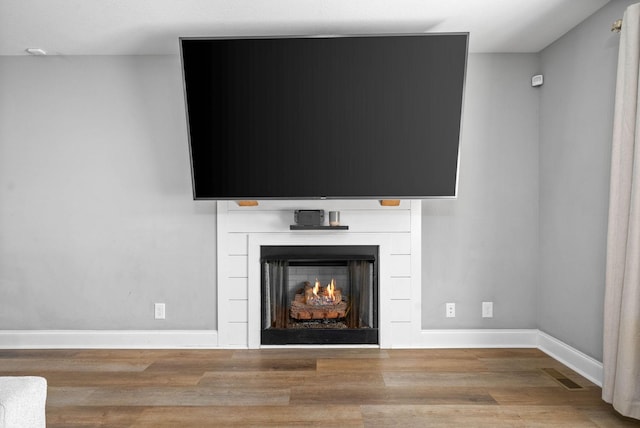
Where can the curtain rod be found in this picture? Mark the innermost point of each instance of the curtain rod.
(616, 26)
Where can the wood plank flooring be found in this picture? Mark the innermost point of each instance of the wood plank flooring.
(311, 387)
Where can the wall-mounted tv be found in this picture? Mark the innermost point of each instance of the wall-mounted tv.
(374, 117)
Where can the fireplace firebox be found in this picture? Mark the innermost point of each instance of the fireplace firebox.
(319, 295)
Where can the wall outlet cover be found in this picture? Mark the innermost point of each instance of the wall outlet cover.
(450, 310)
(487, 309)
(159, 311)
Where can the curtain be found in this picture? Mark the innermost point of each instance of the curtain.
(621, 358)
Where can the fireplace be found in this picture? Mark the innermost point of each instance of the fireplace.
(319, 294)
(393, 231)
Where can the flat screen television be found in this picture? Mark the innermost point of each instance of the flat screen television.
(374, 117)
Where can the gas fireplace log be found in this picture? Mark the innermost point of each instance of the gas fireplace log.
(302, 311)
(320, 296)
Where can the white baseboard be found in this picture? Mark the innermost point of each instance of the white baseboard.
(108, 339)
(578, 361)
(207, 339)
(479, 338)
(141, 339)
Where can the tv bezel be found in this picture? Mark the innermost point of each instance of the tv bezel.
(327, 36)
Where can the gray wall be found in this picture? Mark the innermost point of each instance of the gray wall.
(97, 221)
(576, 116)
(536, 249)
(96, 216)
(483, 246)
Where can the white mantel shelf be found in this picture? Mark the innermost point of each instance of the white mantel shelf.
(396, 230)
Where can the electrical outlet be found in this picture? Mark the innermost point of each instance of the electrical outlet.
(451, 310)
(487, 309)
(159, 310)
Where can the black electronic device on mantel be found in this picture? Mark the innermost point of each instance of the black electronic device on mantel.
(308, 217)
(375, 117)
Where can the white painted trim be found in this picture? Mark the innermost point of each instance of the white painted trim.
(578, 361)
(269, 222)
(222, 266)
(149, 339)
(416, 268)
(478, 338)
(108, 339)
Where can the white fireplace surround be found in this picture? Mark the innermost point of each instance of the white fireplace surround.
(243, 230)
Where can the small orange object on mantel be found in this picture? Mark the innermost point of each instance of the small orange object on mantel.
(390, 202)
(247, 203)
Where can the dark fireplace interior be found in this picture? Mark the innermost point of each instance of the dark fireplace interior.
(319, 295)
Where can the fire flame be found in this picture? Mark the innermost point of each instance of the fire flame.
(331, 289)
(316, 288)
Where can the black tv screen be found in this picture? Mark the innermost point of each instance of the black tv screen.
(373, 117)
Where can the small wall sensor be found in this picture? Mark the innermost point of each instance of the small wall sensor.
(537, 80)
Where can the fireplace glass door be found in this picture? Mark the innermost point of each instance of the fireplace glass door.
(319, 295)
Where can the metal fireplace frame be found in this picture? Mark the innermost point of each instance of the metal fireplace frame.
(315, 255)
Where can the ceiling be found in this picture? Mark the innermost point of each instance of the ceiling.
(141, 27)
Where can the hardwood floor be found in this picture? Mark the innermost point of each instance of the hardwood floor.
(311, 387)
